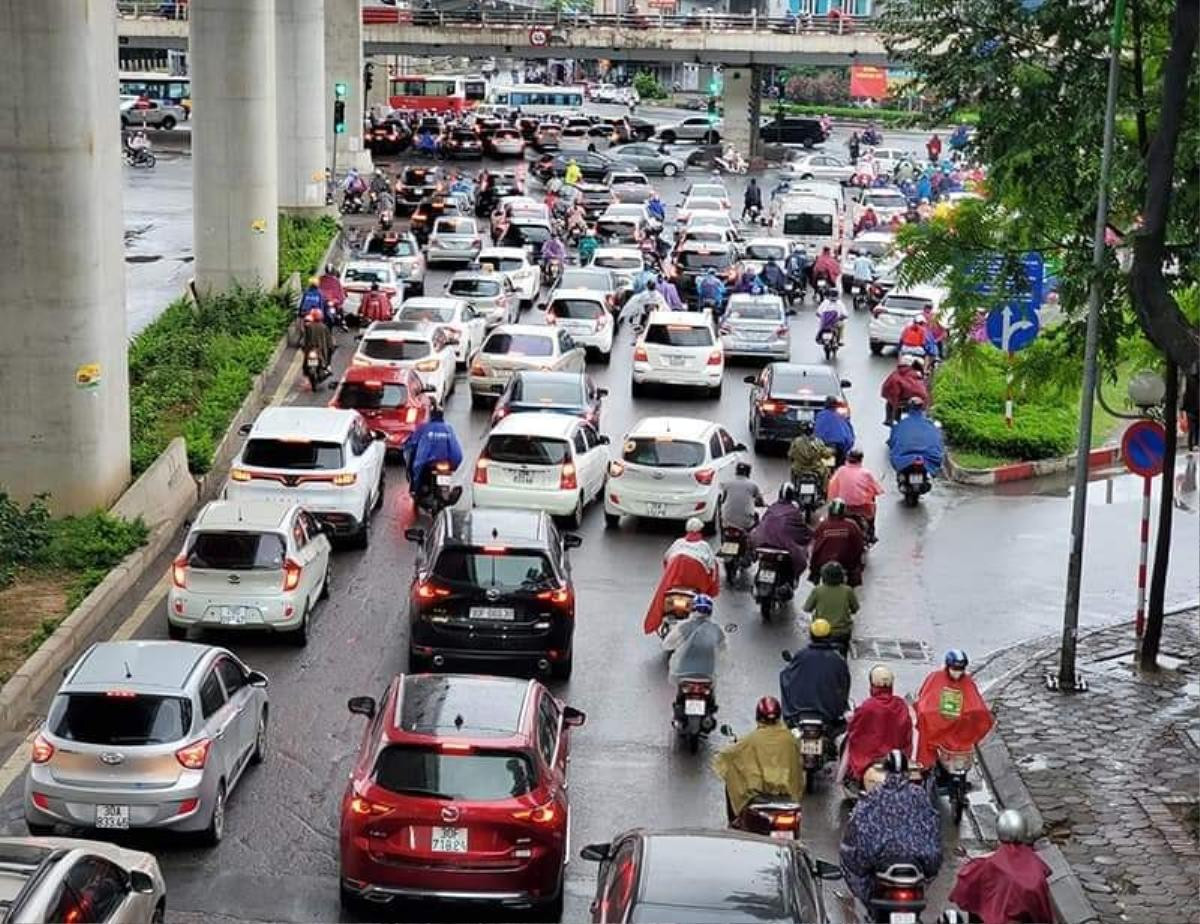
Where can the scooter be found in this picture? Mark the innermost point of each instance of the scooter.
(776, 817)
(950, 777)
(810, 493)
(314, 370)
(352, 204)
(734, 551)
(897, 894)
(677, 606)
(913, 481)
(774, 583)
(820, 287)
(830, 342)
(860, 298)
(441, 493)
(139, 157)
(694, 710)
(551, 272)
(736, 165)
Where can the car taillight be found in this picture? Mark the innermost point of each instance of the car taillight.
(194, 756)
(481, 470)
(239, 474)
(724, 329)
(705, 475)
(560, 597)
(477, 368)
(715, 358)
(639, 355)
(291, 574)
(365, 807)
(876, 311)
(844, 409)
(179, 572)
(781, 331)
(772, 407)
(542, 815)
(601, 320)
(785, 821)
(429, 365)
(567, 481)
(411, 415)
(345, 479)
(42, 750)
(442, 468)
(551, 317)
(901, 894)
(616, 469)
(428, 590)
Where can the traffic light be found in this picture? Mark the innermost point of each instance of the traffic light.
(339, 108)
(368, 76)
(712, 110)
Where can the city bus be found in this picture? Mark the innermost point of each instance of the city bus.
(439, 92)
(164, 87)
(537, 99)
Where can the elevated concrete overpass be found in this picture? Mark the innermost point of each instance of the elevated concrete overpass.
(734, 41)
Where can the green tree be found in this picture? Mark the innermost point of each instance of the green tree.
(648, 86)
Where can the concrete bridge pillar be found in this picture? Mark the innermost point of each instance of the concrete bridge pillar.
(64, 391)
(344, 64)
(300, 104)
(739, 98)
(234, 164)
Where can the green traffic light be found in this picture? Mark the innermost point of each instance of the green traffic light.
(339, 90)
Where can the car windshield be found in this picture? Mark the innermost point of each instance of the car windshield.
(629, 179)
(754, 311)
(528, 234)
(870, 248)
(710, 193)
(887, 200)
(289, 453)
(912, 303)
(703, 203)
(695, 260)
(370, 396)
(519, 345)
(679, 335)
(614, 261)
(517, 449)
(367, 275)
(816, 224)
(663, 452)
(576, 308)
(455, 226)
(484, 288)
(532, 391)
(795, 383)
(119, 717)
(766, 251)
(435, 313)
(600, 280)
(623, 228)
(506, 264)
(236, 551)
(471, 774)
(494, 567)
(401, 247)
(393, 349)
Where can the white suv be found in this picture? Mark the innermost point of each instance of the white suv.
(551, 462)
(511, 347)
(523, 273)
(325, 459)
(899, 308)
(678, 348)
(425, 348)
(584, 314)
(671, 468)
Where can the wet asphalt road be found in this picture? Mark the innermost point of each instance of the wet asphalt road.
(968, 568)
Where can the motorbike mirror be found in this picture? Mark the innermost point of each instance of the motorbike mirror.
(414, 534)
(823, 869)
(429, 389)
(596, 853)
(572, 540)
(786, 654)
(362, 705)
(726, 730)
(332, 386)
(572, 717)
(845, 383)
(750, 379)
(739, 447)
(602, 392)
(604, 440)
(378, 435)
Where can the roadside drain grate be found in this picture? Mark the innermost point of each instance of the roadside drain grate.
(890, 649)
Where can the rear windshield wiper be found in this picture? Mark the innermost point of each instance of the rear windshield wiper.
(418, 791)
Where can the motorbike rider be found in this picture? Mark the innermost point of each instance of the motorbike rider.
(773, 277)
(831, 316)
(833, 428)
(826, 267)
(855, 484)
(434, 441)
(354, 186)
(688, 562)
(867, 221)
(426, 143)
(905, 382)
(917, 339)
(893, 822)
(951, 712)
(864, 271)
(752, 199)
(881, 723)
(331, 288)
(379, 183)
(573, 174)
(588, 245)
(933, 147)
(312, 300)
(808, 455)
(670, 294)
(639, 306)
(694, 644)
(836, 602)
(742, 498)
(711, 290)
(553, 252)
(816, 681)
(782, 526)
(657, 208)
(914, 436)
(749, 283)
(375, 305)
(838, 538)
(764, 763)
(317, 337)
(1011, 884)
(137, 144)
(797, 267)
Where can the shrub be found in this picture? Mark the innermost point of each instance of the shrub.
(302, 243)
(93, 541)
(23, 534)
(648, 86)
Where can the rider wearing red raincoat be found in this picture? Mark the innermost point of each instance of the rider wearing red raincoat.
(880, 724)
(1009, 885)
(951, 713)
(690, 562)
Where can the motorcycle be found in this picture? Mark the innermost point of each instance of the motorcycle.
(352, 204)
(551, 272)
(774, 583)
(859, 295)
(777, 817)
(734, 551)
(830, 342)
(314, 369)
(913, 481)
(677, 606)
(441, 492)
(872, 138)
(694, 709)
(754, 215)
(820, 287)
(139, 157)
(950, 777)
(810, 493)
(734, 165)
(897, 894)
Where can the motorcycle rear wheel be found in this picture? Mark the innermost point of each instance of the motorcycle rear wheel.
(766, 607)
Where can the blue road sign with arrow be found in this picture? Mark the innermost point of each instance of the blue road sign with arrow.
(1012, 327)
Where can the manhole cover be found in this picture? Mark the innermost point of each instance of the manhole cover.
(890, 649)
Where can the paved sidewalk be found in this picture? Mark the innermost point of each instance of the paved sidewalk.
(1113, 772)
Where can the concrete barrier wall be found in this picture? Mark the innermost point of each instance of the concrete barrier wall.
(164, 492)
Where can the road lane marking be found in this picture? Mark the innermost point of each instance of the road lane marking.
(127, 629)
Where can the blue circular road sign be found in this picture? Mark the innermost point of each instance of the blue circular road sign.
(1143, 448)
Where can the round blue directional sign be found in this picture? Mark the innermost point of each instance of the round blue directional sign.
(1143, 448)
(1012, 327)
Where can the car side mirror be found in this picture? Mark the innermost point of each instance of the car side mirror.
(751, 380)
(596, 853)
(846, 383)
(823, 869)
(573, 717)
(429, 389)
(378, 435)
(604, 440)
(739, 447)
(786, 654)
(245, 429)
(258, 679)
(141, 882)
(362, 705)
(572, 541)
(414, 534)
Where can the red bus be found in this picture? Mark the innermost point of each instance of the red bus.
(439, 92)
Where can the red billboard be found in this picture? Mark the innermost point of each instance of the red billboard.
(868, 82)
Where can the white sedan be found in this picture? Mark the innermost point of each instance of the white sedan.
(523, 273)
(819, 167)
(463, 327)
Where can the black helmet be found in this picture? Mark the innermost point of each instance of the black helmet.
(436, 412)
(896, 761)
(806, 427)
(854, 455)
(743, 469)
(787, 492)
(831, 402)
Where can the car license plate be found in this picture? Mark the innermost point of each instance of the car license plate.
(444, 481)
(233, 615)
(782, 835)
(801, 414)
(729, 548)
(903, 917)
(112, 816)
(448, 840)
(494, 613)
(810, 746)
(767, 575)
(523, 477)
(808, 489)
(694, 707)
(656, 510)
(676, 360)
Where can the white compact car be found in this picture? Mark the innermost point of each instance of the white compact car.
(424, 348)
(671, 468)
(756, 326)
(678, 348)
(701, 204)
(819, 167)
(511, 347)
(491, 295)
(327, 460)
(584, 314)
(898, 309)
(532, 461)
(256, 565)
(359, 275)
(463, 327)
(524, 274)
(624, 262)
(886, 202)
(455, 239)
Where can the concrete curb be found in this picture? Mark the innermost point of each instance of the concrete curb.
(1022, 471)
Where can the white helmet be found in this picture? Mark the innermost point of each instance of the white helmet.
(1011, 827)
(694, 525)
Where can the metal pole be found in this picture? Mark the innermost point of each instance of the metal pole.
(1008, 394)
(1066, 664)
(1143, 547)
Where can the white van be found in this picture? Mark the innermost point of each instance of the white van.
(814, 221)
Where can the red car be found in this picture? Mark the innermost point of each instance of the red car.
(393, 400)
(459, 793)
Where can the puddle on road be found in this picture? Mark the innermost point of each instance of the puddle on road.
(142, 257)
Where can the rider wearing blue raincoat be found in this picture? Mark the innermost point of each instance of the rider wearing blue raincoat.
(834, 429)
(434, 441)
(914, 436)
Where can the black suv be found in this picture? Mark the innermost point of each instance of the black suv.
(415, 184)
(695, 258)
(492, 585)
(790, 130)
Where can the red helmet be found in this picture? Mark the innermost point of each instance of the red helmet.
(768, 710)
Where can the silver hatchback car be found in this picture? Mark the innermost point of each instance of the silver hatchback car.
(756, 326)
(147, 734)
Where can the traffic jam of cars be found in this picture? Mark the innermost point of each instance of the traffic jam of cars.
(513, 285)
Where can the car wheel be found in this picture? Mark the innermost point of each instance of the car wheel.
(715, 391)
(670, 170)
(876, 348)
(168, 123)
(260, 740)
(605, 358)
(713, 526)
(213, 834)
(351, 901)
(612, 521)
(808, 143)
(418, 664)
(575, 520)
(760, 445)
(637, 389)
(325, 582)
(668, 137)
(846, 286)
(160, 913)
(299, 635)
(561, 670)
(39, 830)
(379, 490)
(176, 633)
